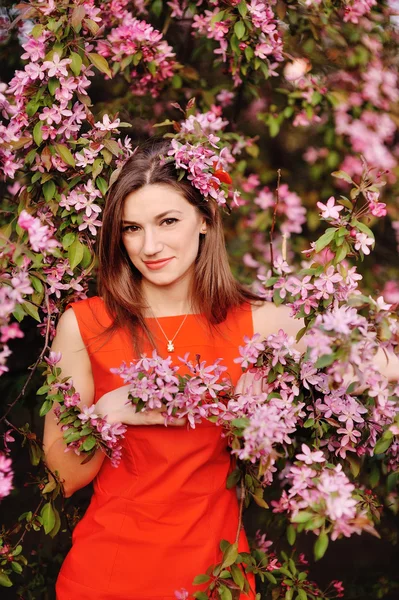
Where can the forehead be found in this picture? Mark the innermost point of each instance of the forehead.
(152, 200)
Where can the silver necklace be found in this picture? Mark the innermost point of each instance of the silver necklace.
(170, 346)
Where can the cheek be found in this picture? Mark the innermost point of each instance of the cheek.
(132, 246)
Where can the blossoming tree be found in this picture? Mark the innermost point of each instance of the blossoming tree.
(297, 91)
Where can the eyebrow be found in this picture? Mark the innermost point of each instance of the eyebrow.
(157, 216)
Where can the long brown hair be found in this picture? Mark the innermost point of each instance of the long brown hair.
(214, 290)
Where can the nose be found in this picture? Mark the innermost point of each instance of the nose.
(152, 244)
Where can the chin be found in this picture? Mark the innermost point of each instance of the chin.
(162, 279)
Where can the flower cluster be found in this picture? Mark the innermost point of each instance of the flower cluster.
(40, 236)
(275, 414)
(140, 53)
(248, 37)
(6, 475)
(84, 430)
(204, 153)
(155, 383)
(322, 498)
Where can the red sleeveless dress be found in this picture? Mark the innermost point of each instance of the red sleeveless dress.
(155, 521)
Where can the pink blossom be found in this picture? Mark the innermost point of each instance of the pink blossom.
(6, 476)
(39, 235)
(330, 210)
(107, 124)
(57, 67)
(363, 242)
(296, 69)
(309, 457)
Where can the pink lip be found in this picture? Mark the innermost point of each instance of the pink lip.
(157, 264)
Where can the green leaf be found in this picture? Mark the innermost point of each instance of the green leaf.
(233, 478)
(382, 445)
(75, 253)
(45, 407)
(325, 239)
(342, 175)
(200, 596)
(31, 310)
(302, 516)
(76, 64)
(320, 546)
(224, 593)
(341, 253)
(57, 524)
(230, 555)
(49, 487)
(112, 146)
(49, 190)
(32, 107)
(35, 454)
(325, 361)
(89, 443)
(87, 258)
(271, 578)
(354, 464)
(37, 284)
(5, 581)
(242, 9)
(242, 422)
(100, 63)
(239, 29)
(36, 31)
(238, 576)
(92, 26)
(16, 567)
(43, 390)
(53, 84)
(309, 423)
(68, 239)
(102, 185)
(302, 595)
(363, 228)
(291, 535)
(65, 154)
(38, 133)
(48, 517)
(203, 578)
(78, 14)
(156, 7)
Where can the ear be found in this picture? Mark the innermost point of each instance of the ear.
(203, 226)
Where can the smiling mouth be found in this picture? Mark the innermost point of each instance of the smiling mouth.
(157, 264)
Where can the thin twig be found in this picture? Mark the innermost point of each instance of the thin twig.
(274, 219)
(242, 499)
(33, 369)
(26, 529)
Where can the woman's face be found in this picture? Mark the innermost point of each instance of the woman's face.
(160, 231)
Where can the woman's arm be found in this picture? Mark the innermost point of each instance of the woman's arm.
(75, 363)
(113, 405)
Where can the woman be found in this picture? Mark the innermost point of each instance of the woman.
(156, 521)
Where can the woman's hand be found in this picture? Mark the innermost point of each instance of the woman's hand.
(117, 408)
(246, 381)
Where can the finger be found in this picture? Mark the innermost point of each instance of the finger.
(177, 422)
(240, 384)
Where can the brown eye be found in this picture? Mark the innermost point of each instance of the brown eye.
(130, 229)
(170, 221)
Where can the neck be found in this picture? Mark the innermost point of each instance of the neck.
(166, 301)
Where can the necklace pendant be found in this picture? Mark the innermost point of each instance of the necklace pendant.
(170, 346)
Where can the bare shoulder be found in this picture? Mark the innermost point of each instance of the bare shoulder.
(268, 318)
(68, 332)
